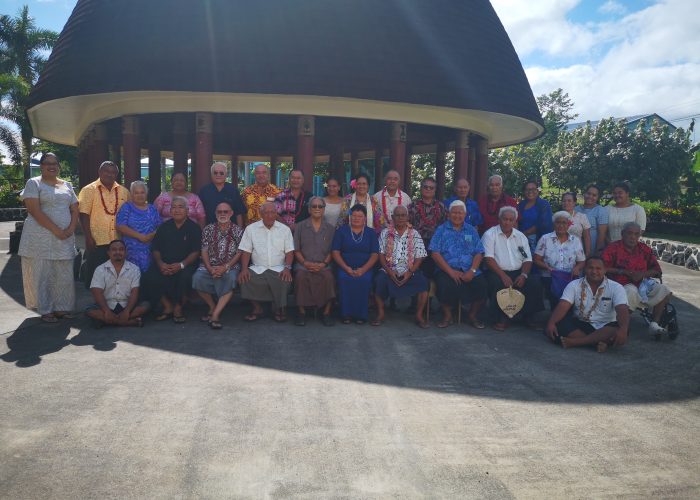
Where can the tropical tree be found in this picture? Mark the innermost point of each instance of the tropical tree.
(23, 49)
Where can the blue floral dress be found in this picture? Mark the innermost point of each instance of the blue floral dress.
(143, 221)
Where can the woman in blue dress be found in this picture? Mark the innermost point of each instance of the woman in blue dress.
(597, 216)
(534, 214)
(137, 222)
(355, 251)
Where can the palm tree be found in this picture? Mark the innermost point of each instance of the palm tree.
(22, 57)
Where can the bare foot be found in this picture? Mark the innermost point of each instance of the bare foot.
(602, 347)
(564, 342)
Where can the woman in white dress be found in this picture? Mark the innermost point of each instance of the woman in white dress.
(47, 246)
(623, 211)
(333, 201)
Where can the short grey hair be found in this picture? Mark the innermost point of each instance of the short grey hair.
(219, 163)
(402, 207)
(179, 199)
(267, 204)
(505, 209)
(631, 225)
(311, 200)
(457, 204)
(496, 176)
(136, 184)
(562, 214)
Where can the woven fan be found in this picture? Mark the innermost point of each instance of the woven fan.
(510, 301)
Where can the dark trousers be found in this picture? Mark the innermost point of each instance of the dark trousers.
(532, 290)
(93, 259)
(175, 287)
(449, 292)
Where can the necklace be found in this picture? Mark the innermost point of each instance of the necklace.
(104, 205)
(354, 238)
(586, 316)
(409, 246)
(384, 192)
(423, 215)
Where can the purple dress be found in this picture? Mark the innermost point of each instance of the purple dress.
(143, 221)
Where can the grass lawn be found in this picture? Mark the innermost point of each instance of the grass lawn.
(673, 237)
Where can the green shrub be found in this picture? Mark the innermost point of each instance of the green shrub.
(9, 197)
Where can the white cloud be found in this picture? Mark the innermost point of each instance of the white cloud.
(612, 7)
(647, 61)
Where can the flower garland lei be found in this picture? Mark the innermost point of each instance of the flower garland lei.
(410, 246)
(384, 192)
(104, 205)
(583, 316)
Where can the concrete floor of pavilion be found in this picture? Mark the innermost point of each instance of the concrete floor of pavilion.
(270, 410)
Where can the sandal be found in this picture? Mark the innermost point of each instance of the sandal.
(49, 318)
(377, 322)
(164, 316)
(179, 319)
(139, 322)
(476, 323)
(327, 320)
(253, 317)
(300, 321)
(206, 318)
(360, 321)
(422, 323)
(215, 325)
(500, 327)
(444, 323)
(280, 318)
(64, 315)
(347, 321)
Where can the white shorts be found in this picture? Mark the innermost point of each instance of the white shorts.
(658, 293)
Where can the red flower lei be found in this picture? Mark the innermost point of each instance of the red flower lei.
(384, 191)
(104, 205)
(391, 238)
(425, 221)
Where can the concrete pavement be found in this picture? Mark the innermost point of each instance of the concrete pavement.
(265, 410)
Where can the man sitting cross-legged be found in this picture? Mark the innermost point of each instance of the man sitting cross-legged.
(600, 313)
(115, 288)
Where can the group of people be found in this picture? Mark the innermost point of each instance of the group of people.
(353, 251)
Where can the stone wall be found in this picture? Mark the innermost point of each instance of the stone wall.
(674, 252)
(9, 214)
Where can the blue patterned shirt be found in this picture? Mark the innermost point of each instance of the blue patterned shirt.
(474, 216)
(458, 248)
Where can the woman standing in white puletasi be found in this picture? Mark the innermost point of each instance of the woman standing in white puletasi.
(47, 246)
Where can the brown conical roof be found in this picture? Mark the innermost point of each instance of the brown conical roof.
(439, 62)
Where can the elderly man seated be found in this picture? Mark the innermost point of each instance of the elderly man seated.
(401, 251)
(600, 313)
(507, 256)
(115, 288)
(216, 276)
(267, 247)
(633, 264)
(457, 252)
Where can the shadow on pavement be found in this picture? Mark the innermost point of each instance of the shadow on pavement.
(517, 365)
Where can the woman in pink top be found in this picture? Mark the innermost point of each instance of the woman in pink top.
(178, 186)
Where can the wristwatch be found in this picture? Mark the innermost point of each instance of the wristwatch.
(288, 266)
(182, 266)
(524, 274)
(473, 270)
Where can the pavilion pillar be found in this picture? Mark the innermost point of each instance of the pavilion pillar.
(482, 169)
(154, 170)
(204, 151)
(273, 169)
(354, 164)
(180, 145)
(407, 170)
(82, 163)
(461, 155)
(337, 162)
(306, 129)
(440, 151)
(132, 149)
(92, 165)
(397, 153)
(378, 165)
(100, 143)
(234, 170)
(115, 154)
(472, 167)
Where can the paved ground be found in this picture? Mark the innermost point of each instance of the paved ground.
(268, 410)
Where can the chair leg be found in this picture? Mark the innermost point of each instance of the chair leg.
(459, 312)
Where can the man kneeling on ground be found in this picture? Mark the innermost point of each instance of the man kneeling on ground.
(600, 312)
(115, 287)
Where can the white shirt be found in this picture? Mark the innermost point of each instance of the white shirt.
(613, 295)
(268, 247)
(509, 252)
(561, 256)
(116, 287)
(391, 202)
(400, 252)
(579, 223)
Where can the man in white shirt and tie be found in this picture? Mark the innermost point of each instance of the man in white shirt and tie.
(267, 252)
(508, 259)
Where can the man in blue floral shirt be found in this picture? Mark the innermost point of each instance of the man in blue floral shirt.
(457, 252)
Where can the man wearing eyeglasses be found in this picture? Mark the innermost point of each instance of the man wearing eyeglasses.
(509, 261)
(220, 191)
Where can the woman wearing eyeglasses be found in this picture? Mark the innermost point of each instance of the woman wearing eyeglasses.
(314, 284)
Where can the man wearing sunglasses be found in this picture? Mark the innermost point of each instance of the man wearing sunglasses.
(220, 191)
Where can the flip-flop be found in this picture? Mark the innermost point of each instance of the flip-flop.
(179, 319)
(500, 327)
(215, 325)
(444, 324)
(347, 321)
(479, 325)
(164, 316)
(422, 324)
(280, 318)
(252, 317)
(206, 318)
(64, 315)
(49, 318)
(377, 322)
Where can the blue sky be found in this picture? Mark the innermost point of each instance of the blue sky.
(613, 57)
